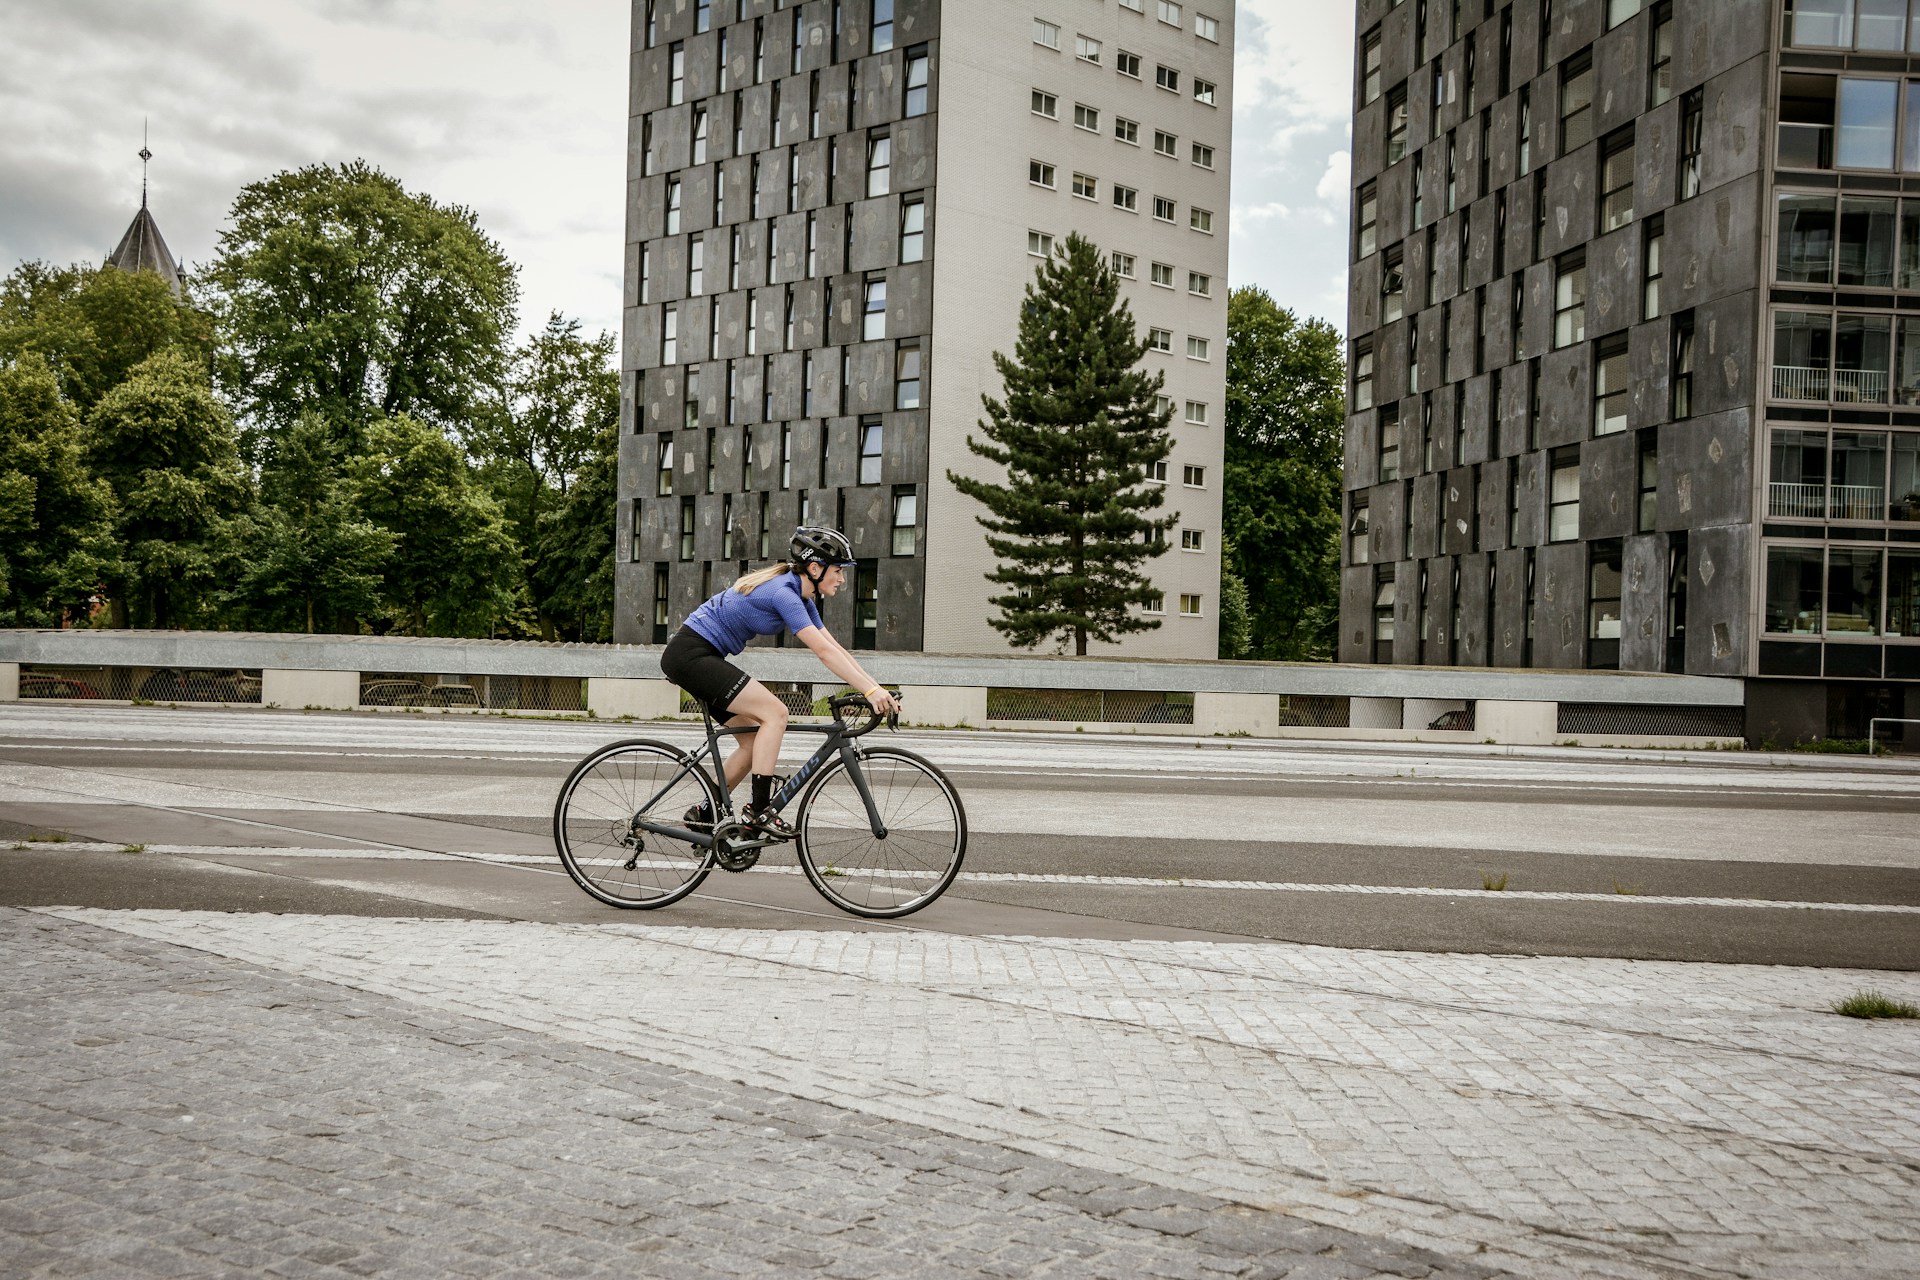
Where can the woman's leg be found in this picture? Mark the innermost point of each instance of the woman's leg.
(740, 763)
(758, 705)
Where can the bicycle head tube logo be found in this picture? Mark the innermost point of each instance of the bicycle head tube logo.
(798, 780)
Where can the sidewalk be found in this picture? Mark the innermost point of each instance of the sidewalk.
(381, 1096)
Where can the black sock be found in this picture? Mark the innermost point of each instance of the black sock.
(762, 790)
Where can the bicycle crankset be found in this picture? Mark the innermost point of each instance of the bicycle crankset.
(731, 856)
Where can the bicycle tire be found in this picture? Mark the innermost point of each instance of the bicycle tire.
(866, 876)
(592, 825)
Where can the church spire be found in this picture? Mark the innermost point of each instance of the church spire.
(143, 248)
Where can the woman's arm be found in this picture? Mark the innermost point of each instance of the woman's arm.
(837, 660)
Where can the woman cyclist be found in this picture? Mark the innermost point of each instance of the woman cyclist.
(782, 596)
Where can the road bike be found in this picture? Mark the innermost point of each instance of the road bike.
(879, 831)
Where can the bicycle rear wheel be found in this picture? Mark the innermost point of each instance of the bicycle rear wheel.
(890, 876)
(594, 824)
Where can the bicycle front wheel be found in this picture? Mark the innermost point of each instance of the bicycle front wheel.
(882, 877)
(595, 824)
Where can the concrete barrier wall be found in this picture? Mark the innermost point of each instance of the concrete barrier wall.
(1229, 698)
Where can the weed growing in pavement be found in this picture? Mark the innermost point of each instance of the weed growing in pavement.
(133, 848)
(1492, 883)
(830, 871)
(1630, 890)
(1839, 747)
(47, 837)
(1874, 1004)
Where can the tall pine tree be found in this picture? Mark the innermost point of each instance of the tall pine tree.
(1076, 434)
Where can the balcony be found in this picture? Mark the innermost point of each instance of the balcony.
(1796, 501)
(1806, 146)
(1842, 386)
(1856, 502)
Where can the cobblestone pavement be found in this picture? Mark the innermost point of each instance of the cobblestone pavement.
(972, 1103)
(172, 1113)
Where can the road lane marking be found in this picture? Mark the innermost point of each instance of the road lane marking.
(396, 854)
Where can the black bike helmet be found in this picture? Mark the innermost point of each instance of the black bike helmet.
(819, 545)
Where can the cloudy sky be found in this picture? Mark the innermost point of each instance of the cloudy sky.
(516, 111)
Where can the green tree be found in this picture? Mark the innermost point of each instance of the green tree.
(55, 525)
(562, 404)
(1286, 407)
(1236, 622)
(571, 572)
(92, 326)
(1075, 435)
(307, 558)
(337, 292)
(454, 569)
(165, 446)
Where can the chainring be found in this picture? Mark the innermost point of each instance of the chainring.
(726, 854)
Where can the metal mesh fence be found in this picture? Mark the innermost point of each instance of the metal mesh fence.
(801, 697)
(474, 693)
(141, 684)
(1090, 706)
(1611, 718)
(1314, 711)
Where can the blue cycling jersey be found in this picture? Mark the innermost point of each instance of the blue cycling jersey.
(729, 620)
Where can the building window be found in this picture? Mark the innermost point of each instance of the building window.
(1086, 117)
(1570, 299)
(913, 229)
(1189, 605)
(1653, 270)
(1199, 285)
(1200, 220)
(1039, 244)
(1040, 174)
(1357, 529)
(1794, 590)
(686, 528)
(1046, 33)
(1616, 181)
(1163, 209)
(882, 26)
(1396, 124)
(1370, 67)
(1198, 348)
(701, 129)
(1362, 378)
(1206, 28)
(1367, 212)
(1155, 602)
(1393, 287)
(1867, 223)
(1163, 409)
(871, 449)
(906, 514)
(874, 314)
(1618, 11)
(917, 68)
(1126, 198)
(1389, 442)
(1086, 186)
(1660, 80)
(1193, 477)
(1157, 472)
(696, 265)
(676, 75)
(1160, 340)
(1603, 604)
(660, 592)
(1169, 12)
(1202, 156)
(663, 478)
(1192, 540)
(1203, 91)
(866, 605)
(1127, 64)
(1419, 195)
(1123, 264)
(786, 455)
(906, 376)
(879, 165)
(1087, 49)
(670, 336)
(1045, 104)
(1383, 605)
(1526, 131)
(1164, 143)
(1162, 275)
(1576, 103)
(1127, 131)
(1647, 512)
(1804, 245)
(1692, 135)
(1868, 113)
(1563, 495)
(1167, 78)
(1610, 379)
(1197, 413)
(1682, 376)
(690, 411)
(673, 206)
(646, 273)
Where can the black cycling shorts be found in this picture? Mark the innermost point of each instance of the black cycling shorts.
(696, 666)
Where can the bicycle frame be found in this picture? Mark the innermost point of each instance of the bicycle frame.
(838, 742)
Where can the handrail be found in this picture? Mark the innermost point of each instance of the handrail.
(1883, 720)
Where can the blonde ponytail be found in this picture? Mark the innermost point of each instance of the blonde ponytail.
(760, 577)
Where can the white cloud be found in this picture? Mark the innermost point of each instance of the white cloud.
(1336, 184)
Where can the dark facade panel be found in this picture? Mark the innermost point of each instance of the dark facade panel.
(1609, 486)
(1473, 610)
(1560, 606)
(1719, 620)
(1509, 646)
(1643, 603)
(1706, 471)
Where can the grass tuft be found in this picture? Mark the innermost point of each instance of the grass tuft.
(1629, 890)
(46, 837)
(1874, 1004)
(133, 848)
(1493, 883)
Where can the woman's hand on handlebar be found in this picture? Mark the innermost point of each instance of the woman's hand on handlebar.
(883, 702)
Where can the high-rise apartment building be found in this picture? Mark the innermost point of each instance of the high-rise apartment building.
(1635, 381)
(833, 210)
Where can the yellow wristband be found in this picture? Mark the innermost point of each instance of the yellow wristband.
(869, 693)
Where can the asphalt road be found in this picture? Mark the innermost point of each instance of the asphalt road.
(1711, 856)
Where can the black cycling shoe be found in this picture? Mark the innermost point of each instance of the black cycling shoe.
(767, 823)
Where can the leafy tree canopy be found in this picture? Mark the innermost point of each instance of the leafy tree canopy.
(54, 517)
(1286, 406)
(1075, 435)
(337, 292)
(93, 325)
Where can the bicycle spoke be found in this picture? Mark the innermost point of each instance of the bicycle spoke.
(869, 875)
(594, 825)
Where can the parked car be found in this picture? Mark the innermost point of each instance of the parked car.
(39, 686)
(175, 684)
(393, 693)
(1460, 720)
(452, 695)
